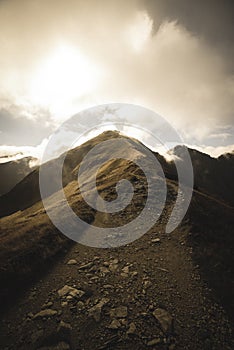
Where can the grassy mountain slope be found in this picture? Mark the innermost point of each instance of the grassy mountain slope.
(13, 172)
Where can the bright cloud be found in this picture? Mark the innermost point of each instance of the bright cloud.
(67, 58)
(9, 153)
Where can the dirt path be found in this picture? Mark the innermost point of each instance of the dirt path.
(146, 295)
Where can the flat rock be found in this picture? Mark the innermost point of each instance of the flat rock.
(104, 269)
(125, 269)
(156, 240)
(65, 290)
(72, 262)
(165, 320)
(119, 312)
(115, 261)
(115, 324)
(124, 275)
(113, 267)
(132, 328)
(154, 342)
(147, 284)
(64, 327)
(108, 286)
(77, 293)
(45, 313)
(70, 291)
(96, 310)
(47, 305)
(86, 266)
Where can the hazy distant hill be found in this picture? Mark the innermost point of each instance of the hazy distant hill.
(13, 172)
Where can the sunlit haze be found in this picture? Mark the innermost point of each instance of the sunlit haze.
(58, 58)
(65, 74)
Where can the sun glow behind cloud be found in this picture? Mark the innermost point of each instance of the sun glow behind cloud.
(64, 75)
(57, 60)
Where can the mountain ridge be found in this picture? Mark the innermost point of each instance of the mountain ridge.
(215, 179)
(117, 294)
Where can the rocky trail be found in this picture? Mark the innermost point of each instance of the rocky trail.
(146, 295)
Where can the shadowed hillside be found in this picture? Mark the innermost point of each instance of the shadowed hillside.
(159, 292)
(13, 172)
(213, 176)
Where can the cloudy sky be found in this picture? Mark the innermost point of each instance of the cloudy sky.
(58, 57)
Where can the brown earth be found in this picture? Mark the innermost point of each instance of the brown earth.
(162, 291)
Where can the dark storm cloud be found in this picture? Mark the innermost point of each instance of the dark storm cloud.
(211, 20)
